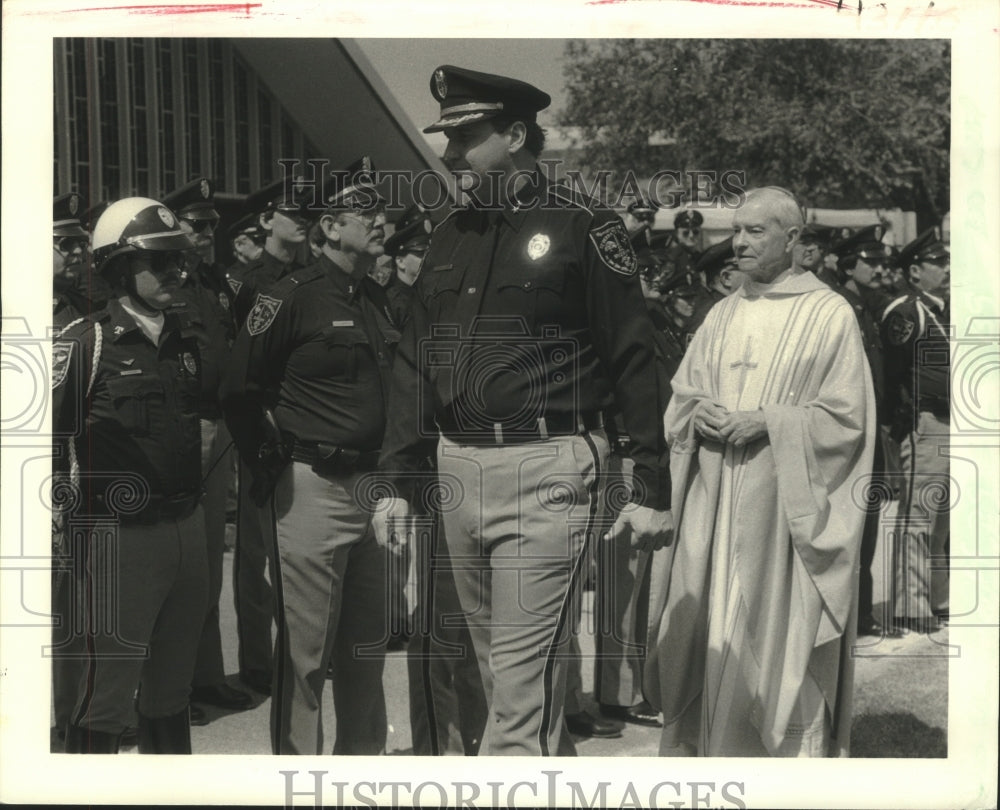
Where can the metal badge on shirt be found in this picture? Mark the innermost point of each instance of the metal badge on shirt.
(899, 328)
(262, 314)
(190, 364)
(538, 246)
(614, 248)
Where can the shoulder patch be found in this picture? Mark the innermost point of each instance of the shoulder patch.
(614, 248)
(898, 328)
(262, 314)
(234, 285)
(62, 351)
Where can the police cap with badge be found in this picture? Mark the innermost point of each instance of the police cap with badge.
(412, 234)
(195, 200)
(289, 196)
(352, 189)
(642, 209)
(468, 96)
(927, 247)
(866, 244)
(686, 220)
(715, 258)
(813, 234)
(66, 217)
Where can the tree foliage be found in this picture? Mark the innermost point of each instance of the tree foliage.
(842, 123)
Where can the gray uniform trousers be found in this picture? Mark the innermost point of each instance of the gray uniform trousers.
(516, 539)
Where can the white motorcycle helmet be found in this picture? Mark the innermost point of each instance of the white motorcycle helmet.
(133, 224)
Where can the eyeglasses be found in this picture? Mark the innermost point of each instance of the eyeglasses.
(367, 218)
(690, 231)
(68, 244)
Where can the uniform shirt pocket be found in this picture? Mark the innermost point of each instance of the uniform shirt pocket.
(136, 400)
(343, 344)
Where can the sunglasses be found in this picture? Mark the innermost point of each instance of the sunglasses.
(201, 225)
(67, 244)
(161, 262)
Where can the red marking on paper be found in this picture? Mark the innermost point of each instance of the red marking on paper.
(198, 8)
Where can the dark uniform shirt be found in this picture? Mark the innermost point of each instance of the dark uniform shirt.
(550, 295)
(258, 276)
(316, 348)
(141, 418)
(701, 309)
(75, 296)
(915, 331)
(204, 308)
(867, 308)
(400, 295)
(678, 261)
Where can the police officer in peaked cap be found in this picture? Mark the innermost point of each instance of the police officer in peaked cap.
(204, 304)
(406, 248)
(305, 398)
(247, 237)
(132, 375)
(916, 328)
(71, 292)
(528, 324)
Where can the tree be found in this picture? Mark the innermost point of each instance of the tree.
(842, 123)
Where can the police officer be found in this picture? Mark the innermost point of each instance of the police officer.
(406, 248)
(280, 211)
(71, 296)
(639, 218)
(915, 331)
(246, 238)
(317, 349)
(718, 266)
(861, 261)
(133, 376)
(203, 302)
(686, 247)
(532, 303)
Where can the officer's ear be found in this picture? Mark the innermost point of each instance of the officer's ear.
(517, 135)
(914, 273)
(265, 220)
(330, 227)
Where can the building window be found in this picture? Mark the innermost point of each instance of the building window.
(107, 90)
(139, 131)
(192, 116)
(266, 157)
(165, 115)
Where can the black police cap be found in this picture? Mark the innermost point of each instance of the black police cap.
(813, 234)
(194, 200)
(688, 219)
(413, 232)
(288, 195)
(927, 247)
(353, 188)
(715, 257)
(92, 214)
(66, 216)
(866, 244)
(467, 96)
(247, 226)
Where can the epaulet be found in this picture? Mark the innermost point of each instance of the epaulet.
(294, 280)
(565, 194)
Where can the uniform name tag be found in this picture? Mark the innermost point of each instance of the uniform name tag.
(130, 372)
(343, 323)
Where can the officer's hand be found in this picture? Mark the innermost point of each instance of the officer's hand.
(708, 419)
(643, 528)
(743, 427)
(389, 518)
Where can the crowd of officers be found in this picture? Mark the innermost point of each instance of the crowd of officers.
(164, 360)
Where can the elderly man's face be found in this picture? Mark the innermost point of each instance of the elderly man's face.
(762, 246)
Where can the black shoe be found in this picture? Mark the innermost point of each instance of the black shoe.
(198, 716)
(584, 725)
(165, 735)
(257, 680)
(642, 714)
(130, 738)
(87, 741)
(223, 696)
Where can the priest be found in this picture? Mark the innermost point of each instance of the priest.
(772, 429)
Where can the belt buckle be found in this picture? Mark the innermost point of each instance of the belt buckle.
(498, 433)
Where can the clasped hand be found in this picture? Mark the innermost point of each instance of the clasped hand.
(738, 428)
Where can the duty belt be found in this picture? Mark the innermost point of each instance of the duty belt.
(499, 433)
(329, 459)
(935, 405)
(158, 508)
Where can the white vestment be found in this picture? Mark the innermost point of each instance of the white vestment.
(752, 608)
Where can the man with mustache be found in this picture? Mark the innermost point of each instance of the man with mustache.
(125, 394)
(528, 323)
(305, 400)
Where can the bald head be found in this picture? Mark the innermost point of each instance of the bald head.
(765, 229)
